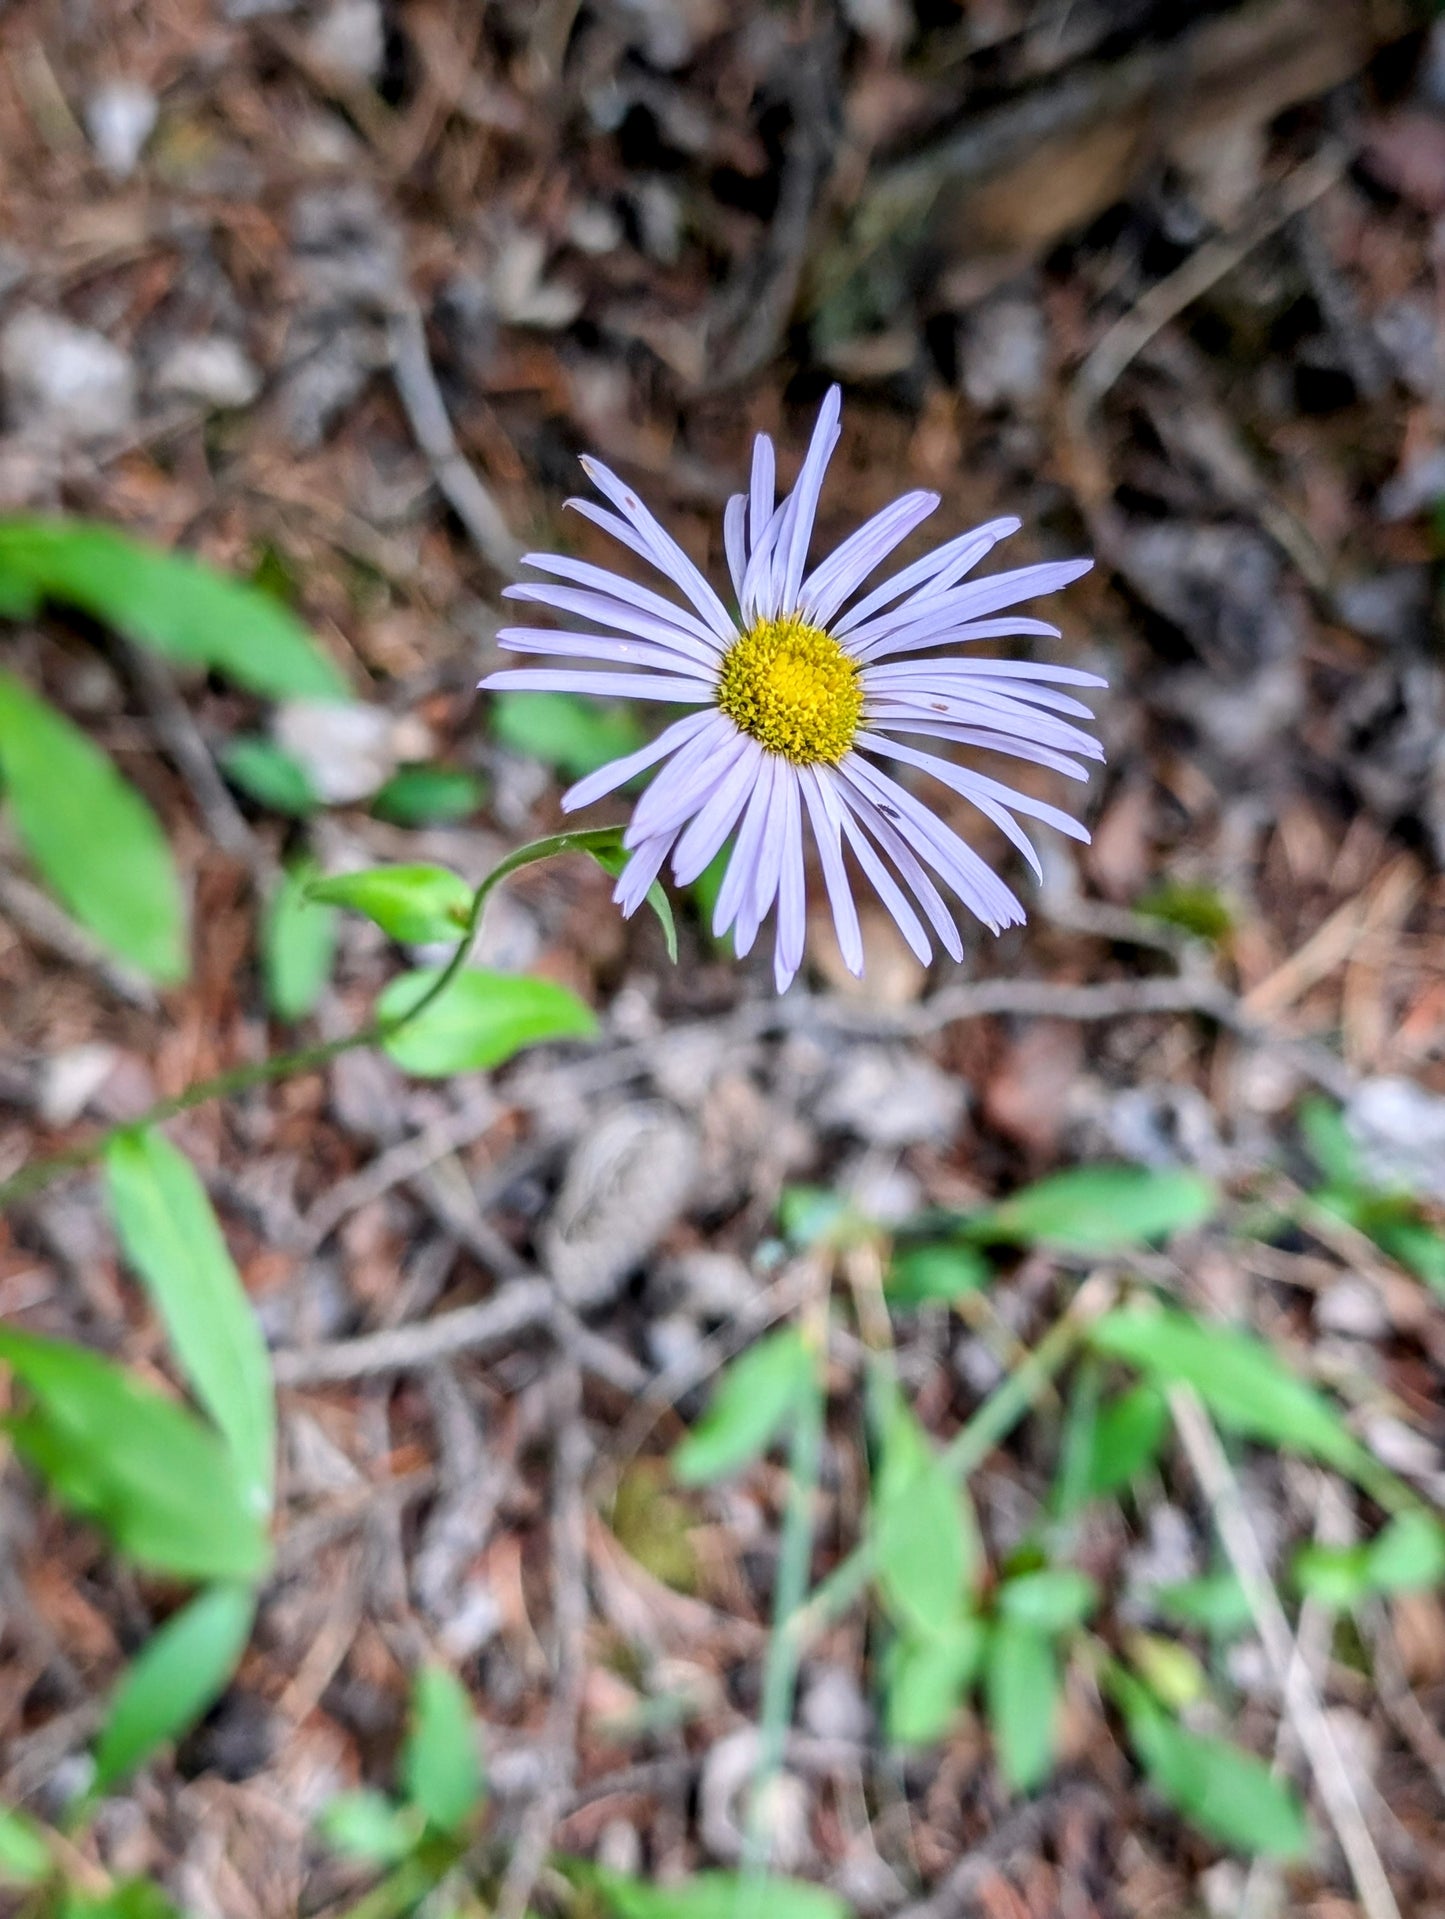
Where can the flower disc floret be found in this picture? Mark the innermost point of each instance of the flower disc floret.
(793, 688)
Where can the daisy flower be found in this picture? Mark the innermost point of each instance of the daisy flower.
(798, 696)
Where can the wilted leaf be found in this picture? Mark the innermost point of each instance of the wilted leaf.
(179, 1674)
(481, 1020)
(749, 1406)
(93, 838)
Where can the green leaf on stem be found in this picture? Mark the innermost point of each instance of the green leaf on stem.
(367, 1826)
(171, 1237)
(925, 1542)
(428, 796)
(415, 905)
(1408, 1556)
(481, 1020)
(170, 602)
(1099, 1209)
(24, 1855)
(926, 1677)
(1021, 1690)
(92, 837)
(179, 1674)
(713, 1895)
(1053, 1600)
(751, 1403)
(440, 1768)
(298, 944)
(163, 1486)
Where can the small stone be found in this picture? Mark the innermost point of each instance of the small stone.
(673, 1342)
(120, 117)
(63, 381)
(1399, 1129)
(1005, 352)
(1352, 1307)
(349, 39)
(70, 1080)
(707, 1285)
(349, 751)
(214, 370)
(832, 1707)
(889, 1097)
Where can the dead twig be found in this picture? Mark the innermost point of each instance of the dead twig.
(522, 1306)
(42, 921)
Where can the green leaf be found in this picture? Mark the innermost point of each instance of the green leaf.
(24, 1855)
(926, 1678)
(162, 1484)
(1054, 1600)
(1214, 1602)
(945, 1271)
(416, 905)
(270, 775)
(1227, 1792)
(749, 1406)
(1329, 1143)
(367, 1826)
(180, 1673)
(1409, 1555)
(298, 944)
(91, 835)
(429, 796)
(1021, 1690)
(1100, 1209)
(612, 859)
(1123, 1441)
(171, 1237)
(562, 730)
(1238, 1377)
(171, 603)
(440, 1768)
(1194, 909)
(715, 1895)
(129, 1899)
(925, 1544)
(817, 1216)
(481, 1020)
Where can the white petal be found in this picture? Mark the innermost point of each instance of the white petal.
(617, 773)
(668, 554)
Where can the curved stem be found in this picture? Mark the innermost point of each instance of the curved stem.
(240, 1079)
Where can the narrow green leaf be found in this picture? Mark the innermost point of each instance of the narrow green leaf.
(161, 1484)
(270, 775)
(1227, 1792)
(93, 838)
(753, 1399)
(24, 1855)
(417, 905)
(428, 796)
(1124, 1441)
(172, 603)
(1238, 1377)
(128, 1899)
(1099, 1209)
(1409, 1555)
(572, 734)
(925, 1544)
(715, 1895)
(1214, 1602)
(367, 1826)
(440, 1767)
(926, 1678)
(1054, 1600)
(1021, 1690)
(944, 1271)
(171, 1237)
(179, 1675)
(298, 944)
(482, 1019)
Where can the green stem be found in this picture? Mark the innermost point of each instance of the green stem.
(240, 1079)
(780, 1667)
(993, 1422)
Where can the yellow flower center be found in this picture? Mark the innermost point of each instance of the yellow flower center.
(794, 689)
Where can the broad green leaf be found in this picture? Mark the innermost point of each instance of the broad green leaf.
(1100, 1209)
(1021, 1690)
(93, 838)
(270, 775)
(366, 1825)
(926, 1677)
(298, 944)
(161, 1484)
(572, 734)
(130, 1899)
(482, 1019)
(171, 1237)
(1238, 1377)
(612, 859)
(24, 1855)
(748, 1409)
(944, 1271)
(1054, 1600)
(1408, 1555)
(417, 905)
(181, 1672)
(428, 796)
(1123, 1441)
(171, 603)
(715, 1895)
(925, 1544)
(440, 1769)
(1214, 1602)
(1227, 1792)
